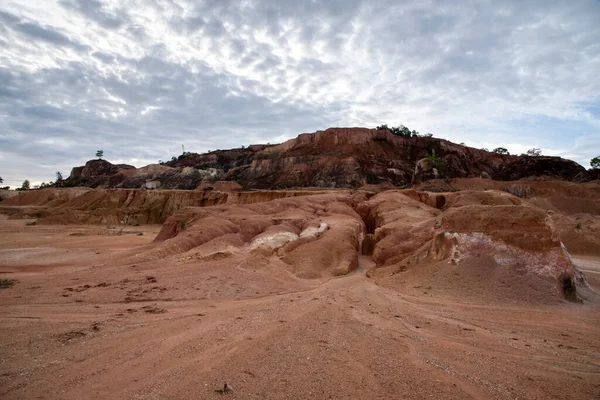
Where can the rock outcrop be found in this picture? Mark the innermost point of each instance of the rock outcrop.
(334, 158)
(97, 173)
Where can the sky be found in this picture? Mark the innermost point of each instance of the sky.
(140, 78)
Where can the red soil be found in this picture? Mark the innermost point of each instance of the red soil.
(462, 297)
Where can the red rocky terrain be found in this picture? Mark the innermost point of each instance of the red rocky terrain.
(487, 291)
(334, 158)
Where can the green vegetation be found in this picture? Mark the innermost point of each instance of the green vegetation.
(578, 226)
(533, 152)
(6, 283)
(25, 186)
(44, 185)
(437, 160)
(182, 225)
(183, 155)
(594, 163)
(500, 150)
(69, 183)
(186, 154)
(402, 131)
(100, 154)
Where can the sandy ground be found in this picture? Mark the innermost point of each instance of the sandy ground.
(84, 320)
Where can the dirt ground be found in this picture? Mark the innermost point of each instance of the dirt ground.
(84, 320)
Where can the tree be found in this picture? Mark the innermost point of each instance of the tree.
(401, 131)
(59, 176)
(594, 163)
(500, 150)
(534, 152)
(1, 180)
(100, 154)
(25, 185)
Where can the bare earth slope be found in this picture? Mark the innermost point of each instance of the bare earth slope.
(403, 294)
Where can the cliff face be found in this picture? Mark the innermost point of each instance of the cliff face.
(336, 157)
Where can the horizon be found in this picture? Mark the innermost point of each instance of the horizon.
(78, 76)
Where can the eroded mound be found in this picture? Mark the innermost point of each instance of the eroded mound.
(518, 233)
(315, 236)
(509, 251)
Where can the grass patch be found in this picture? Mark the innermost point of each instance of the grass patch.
(6, 283)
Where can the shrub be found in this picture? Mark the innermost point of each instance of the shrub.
(437, 160)
(500, 150)
(402, 131)
(533, 152)
(186, 154)
(182, 225)
(6, 283)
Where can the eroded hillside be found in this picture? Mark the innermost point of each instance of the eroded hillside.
(487, 291)
(334, 158)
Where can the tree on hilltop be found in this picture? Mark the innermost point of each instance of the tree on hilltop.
(500, 150)
(534, 152)
(100, 154)
(402, 131)
(25, 186)
(594, 163)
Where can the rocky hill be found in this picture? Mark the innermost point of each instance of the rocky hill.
(334, 158)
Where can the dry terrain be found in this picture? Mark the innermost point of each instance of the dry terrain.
(341, 296)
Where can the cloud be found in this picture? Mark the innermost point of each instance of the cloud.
(33, 30)
(95, 11)
(138, 82)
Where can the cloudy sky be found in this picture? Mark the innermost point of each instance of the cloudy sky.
(139, 78)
